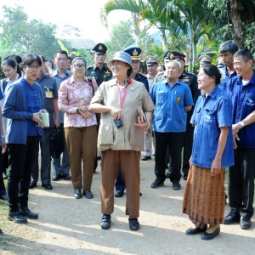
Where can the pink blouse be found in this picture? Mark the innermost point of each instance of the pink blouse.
(71, 96)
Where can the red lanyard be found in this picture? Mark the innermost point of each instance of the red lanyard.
(121, 99)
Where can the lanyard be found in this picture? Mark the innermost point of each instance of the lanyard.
(121, 99)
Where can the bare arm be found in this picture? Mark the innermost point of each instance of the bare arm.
(99, 108)
(188, 108)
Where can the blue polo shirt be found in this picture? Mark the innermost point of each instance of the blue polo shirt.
(243, 101)
(170, 114)
(210, 114)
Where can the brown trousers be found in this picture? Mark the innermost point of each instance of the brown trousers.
(129, 163)
(81, 145)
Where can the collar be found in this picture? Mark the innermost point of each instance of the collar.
(42, 76)
(72, 80)
(68, 73)
(213, 93)
(252, 80)
(176, 82)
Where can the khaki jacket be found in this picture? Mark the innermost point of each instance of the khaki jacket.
(128, 137)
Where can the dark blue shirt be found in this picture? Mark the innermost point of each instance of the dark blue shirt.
(170, 114)
(210, 114)
(140, 77)
(34, 102)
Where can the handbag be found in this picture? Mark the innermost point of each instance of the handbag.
(57, 142)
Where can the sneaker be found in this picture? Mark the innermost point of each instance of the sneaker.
(157, 183)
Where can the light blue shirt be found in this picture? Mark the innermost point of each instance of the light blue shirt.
(210, 114)
(170, 114)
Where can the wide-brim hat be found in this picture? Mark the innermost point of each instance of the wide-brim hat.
(121, 56)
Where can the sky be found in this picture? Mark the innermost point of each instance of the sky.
(83, 14)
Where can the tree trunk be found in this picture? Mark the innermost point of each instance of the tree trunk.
(164, 41)
(235, 17)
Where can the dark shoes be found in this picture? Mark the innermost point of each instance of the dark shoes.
(56, 178)
(88, 194)
(27, 213)
(4, 197)
(232, 217)
(194, 231)
(106, 221)
(17, 217)
(134, 224)
(119, 193)
(207, 236)
(77, 194)
(145, 158)
(245, 223)
(185, 177)
(32, 184)
(47, 186)
(1, 232)
(157, 183)
(66, 177)
(176, 186)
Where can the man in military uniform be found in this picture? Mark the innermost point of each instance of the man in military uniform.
(135, 53)
(204, 60)
(99, 71)
(191, 80)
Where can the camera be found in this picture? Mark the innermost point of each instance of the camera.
(118, 123)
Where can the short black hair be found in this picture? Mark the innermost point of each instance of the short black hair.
(212, 71)
(230, 46)
(61, 52)
(31, 58)
(245, 54)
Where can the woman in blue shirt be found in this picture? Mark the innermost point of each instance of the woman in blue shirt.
(212, 152)
(22, 106)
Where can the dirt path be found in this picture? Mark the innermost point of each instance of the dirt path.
(69, 226)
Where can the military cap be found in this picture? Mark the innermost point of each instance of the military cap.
(134, 52)
(100, 49)
(151, 60)
(171, 55)
(205, 59)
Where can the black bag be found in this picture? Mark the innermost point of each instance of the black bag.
(57, 142)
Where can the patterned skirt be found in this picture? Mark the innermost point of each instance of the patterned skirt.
(204, 198)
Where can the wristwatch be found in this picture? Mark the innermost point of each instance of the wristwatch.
(77, 111)
(241, 123)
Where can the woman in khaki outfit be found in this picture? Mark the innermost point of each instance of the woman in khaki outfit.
(120, 137)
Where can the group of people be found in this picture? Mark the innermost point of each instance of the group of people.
(198, 124)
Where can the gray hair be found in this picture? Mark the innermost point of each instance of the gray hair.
(79, 58)
(174, 61)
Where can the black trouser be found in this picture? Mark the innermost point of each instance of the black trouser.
(21, 161)
(174, 141)
(2, 187)
(241, 182)
(187, 148)
(45, 159)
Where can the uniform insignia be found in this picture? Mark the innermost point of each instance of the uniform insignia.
(107, 72)
(135, 53)
(100, 47)
(186, 79)
(178, 99)
(171, 56)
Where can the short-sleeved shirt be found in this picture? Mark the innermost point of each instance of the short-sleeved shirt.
(170, 114)
(128, 137)
(100, 75)
(210, 114)
(50, 89)
(59, 79)
(71, 96)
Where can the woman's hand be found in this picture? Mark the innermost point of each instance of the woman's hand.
(116, 112)
(36, 118)
(216, 167)
(86, 115)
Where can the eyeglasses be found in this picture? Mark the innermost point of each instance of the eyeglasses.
(79, 66)
(34, 68)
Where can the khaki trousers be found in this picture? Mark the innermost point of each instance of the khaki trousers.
(81, 145)
(129, 163)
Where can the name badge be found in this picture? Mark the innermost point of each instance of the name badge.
(49, 94)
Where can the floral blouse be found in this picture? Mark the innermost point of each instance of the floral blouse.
(72, 96)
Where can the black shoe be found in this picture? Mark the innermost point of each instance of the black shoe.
(207, 236)
(47, 186)
(245, 223)
(145, 158)
(232, 217)
(185, 177)
(56, 178)
(1, 232)
(168, 174)
(141, 194)
(176, 186)
(17, 217)
(157, 183)
(77, 194)
(32, 184)
(27, 213)
(134, 224)
(88, 194)
(119, 193)
(194, 231)
(4, 197)
(106, 221)
(66, 177)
